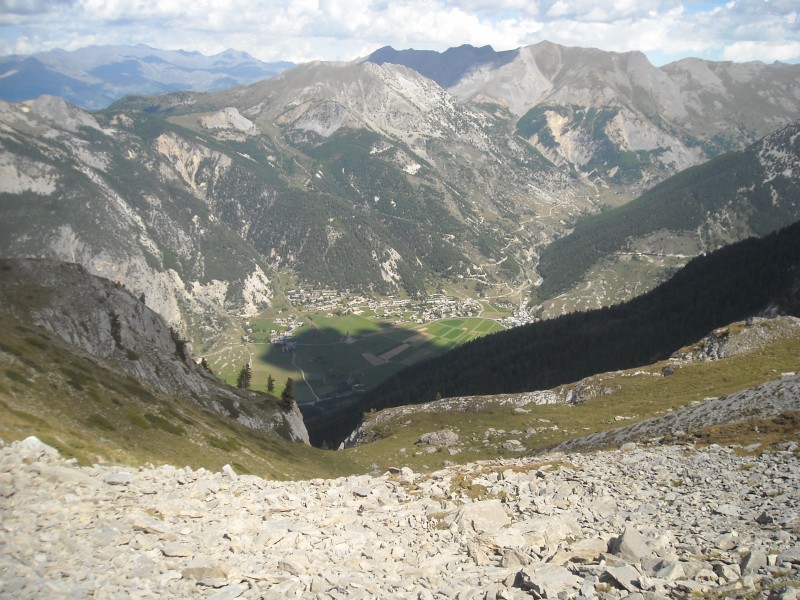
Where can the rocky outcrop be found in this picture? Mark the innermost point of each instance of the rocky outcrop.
(118, 329)
(644, 522)
(439, 439)
(761, 402)
(739, 338)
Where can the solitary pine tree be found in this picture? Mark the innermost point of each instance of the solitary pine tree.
(270, 383)
(245, 376)
(287, 396)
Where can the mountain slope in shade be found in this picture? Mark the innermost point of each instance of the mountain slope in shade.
(738, 281)
(95, 76)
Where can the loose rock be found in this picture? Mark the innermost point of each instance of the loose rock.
(647, 522)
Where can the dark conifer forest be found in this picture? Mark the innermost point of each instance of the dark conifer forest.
(731, 284)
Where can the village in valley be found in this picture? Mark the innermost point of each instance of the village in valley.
(400, 311)
(337, 343)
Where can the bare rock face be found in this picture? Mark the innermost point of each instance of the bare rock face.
(763, 401)
(131, 232)
(585, 107)
(739, 339)
(107, 322)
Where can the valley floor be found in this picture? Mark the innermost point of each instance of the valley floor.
(652, 521)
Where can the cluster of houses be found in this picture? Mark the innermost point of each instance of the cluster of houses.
(320, 300)
(521, 316)
(283, 337)
(402, 310)
(441, 306)
(435, 306)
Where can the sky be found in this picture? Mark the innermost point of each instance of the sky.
(304, 30)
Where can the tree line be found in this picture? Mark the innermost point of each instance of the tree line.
(245, 379)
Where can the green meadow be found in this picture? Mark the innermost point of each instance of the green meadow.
(349, 353)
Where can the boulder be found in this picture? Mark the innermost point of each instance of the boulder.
(790, 556)
(118, 478)
(549, 532)
(753, 561)
(547, 580)
(487, 516)
(440, 439)
(624, 577)
(631, 546)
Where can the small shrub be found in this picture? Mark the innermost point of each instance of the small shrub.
(160, 422)
(35, 343)
(15, 375)
(240, 469)
(100, 422)
(138, 420)
(227, 444)
(132, 386)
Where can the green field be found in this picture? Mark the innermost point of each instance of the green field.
(349, 353)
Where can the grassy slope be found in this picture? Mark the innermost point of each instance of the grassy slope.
(74, 404)
(88, 412)
(633, 395)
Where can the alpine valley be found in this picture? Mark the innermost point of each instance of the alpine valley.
(371, 176)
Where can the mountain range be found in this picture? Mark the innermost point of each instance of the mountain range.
(96, 76)
(372, 176)
(614, 117)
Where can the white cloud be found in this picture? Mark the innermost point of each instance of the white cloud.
(763, 51)
(301, 30)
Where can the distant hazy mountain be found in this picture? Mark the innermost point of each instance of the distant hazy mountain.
(445, 68)
(614, 117)
(94, 77)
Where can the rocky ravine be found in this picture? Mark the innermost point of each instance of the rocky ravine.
(639, 522)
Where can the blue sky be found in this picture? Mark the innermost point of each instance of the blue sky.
(303, 30)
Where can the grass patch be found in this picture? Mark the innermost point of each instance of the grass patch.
(769, 433)
(228, 444)
(16, 376)
(138, 420)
